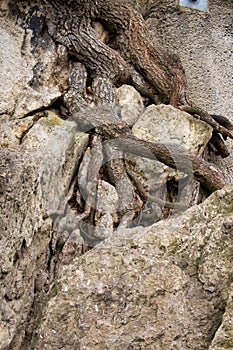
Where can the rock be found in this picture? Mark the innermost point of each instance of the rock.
(14, 70)
(34, 180)
(223, 338)
(30, 77)
(8, 133)
(25, 233)
(106, 214)
(107, 198)
(130, 104)
(53, 140)
(39, 157)
(177, 271)
(104, 226)
(72, 247)
(168, 125)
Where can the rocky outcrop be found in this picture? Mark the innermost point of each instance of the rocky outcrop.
(165, 286)
(162, 287)
(34, 180)
(30, 77)
(39, 155)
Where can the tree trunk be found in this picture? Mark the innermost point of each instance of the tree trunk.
(129, 51)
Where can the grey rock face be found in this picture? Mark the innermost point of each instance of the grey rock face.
(167, 124)
(167, 286)
(33, 185)
(106, 214)
(39, 155)
(30, 78)
(53, 140)
(130, 103)
(163, 287)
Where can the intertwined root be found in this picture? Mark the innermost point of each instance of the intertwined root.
(110, 41)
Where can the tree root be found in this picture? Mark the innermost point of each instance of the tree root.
(118, 177)
(147, 197)
(95, 164)
(208, 175)
(125, 55)
(225, 131)
(129, 58)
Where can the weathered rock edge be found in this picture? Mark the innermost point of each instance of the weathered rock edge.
(162, 287)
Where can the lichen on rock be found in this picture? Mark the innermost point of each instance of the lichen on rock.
(164, 286)
(83, 263)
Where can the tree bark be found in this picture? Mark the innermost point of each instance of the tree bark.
(157, 71)
(130, 57)
(209, 176)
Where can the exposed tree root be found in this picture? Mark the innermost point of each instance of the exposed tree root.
(208, 175)
(131, 57)
(95, 164)
(110, 41)
(147, 196)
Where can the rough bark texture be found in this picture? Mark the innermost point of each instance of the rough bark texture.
(162, 70)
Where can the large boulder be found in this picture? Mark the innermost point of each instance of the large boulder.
(162, 287)
(34, 180)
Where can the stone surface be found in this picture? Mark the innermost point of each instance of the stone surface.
(163, 287)
(9, 137)
(204, 43)
(223, 338)
(167, 286)
(34, 180)
(13, 68)
(130, 103)
(25, 233)
(106, 214)
(30, 78)
(53, 140)
(167, 125)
